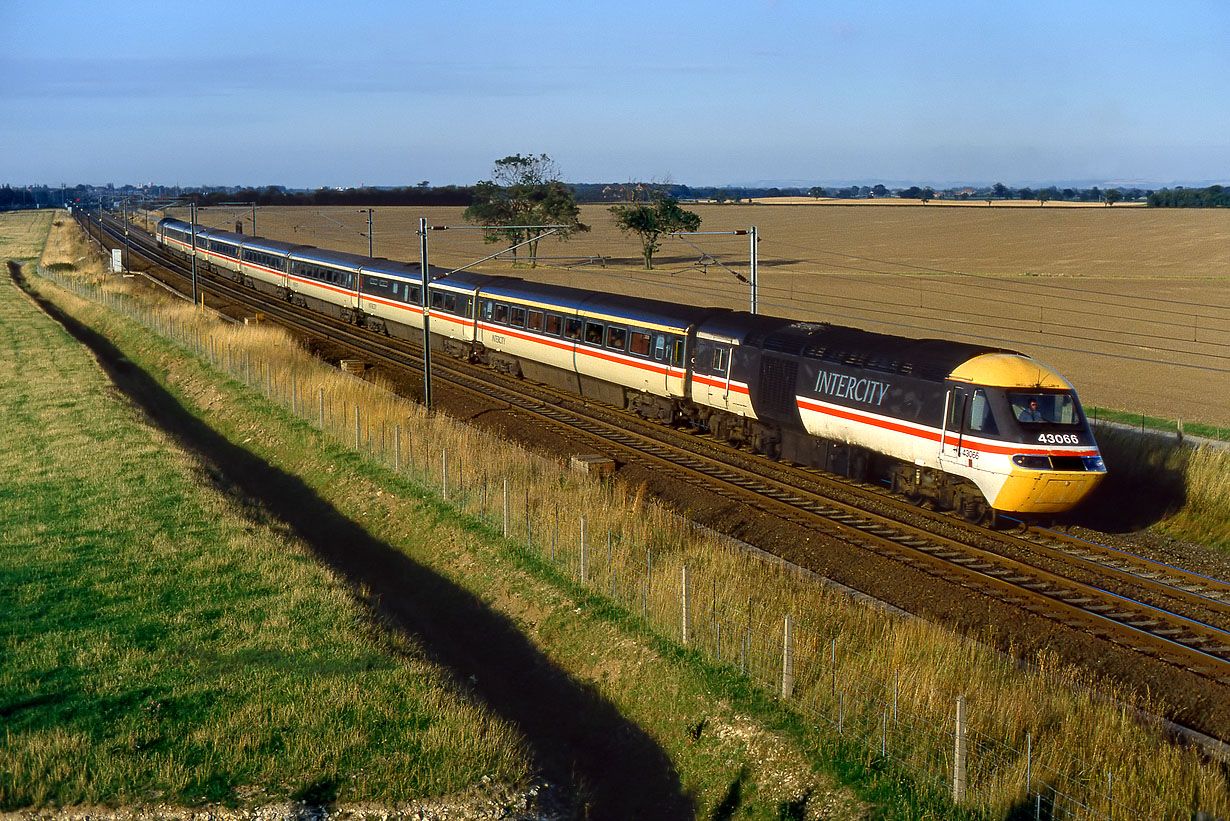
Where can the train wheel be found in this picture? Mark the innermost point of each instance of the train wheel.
(974, 510)
(904, 487)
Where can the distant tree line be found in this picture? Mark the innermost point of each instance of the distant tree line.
(421, 194)
(1215, 196)
(35, 196)
(42, 196)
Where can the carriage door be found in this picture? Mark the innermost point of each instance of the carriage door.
(955, 412)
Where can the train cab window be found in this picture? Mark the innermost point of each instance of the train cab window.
(981, 420)
(1050, 408)
(720, 359)
(534, 321)
(593, 333)
(638, 343)
(616, 338)
(500, 314)
(956, 404)
(518, 317)
(572, 328)
(659, 347)
(554, 324)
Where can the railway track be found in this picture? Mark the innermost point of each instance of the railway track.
(1147, 607)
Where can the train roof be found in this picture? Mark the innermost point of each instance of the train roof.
(740, 327)
(636, 310)
(934, 359)
(463, 280)
(325, 256)
(227, 236)
(392, 267)
(182, 225)
(270, 246)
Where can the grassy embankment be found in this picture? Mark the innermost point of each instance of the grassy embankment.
(919, 665)
(163, 642)
(1185, 490)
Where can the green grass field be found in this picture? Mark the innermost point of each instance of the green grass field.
(161, 642)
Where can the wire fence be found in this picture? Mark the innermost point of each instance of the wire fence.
(841, 683)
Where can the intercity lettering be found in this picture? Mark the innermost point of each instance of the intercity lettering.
(848, 387)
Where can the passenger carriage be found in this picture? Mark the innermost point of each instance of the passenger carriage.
(220, 251)
(626, 351)
(177, 236)
(263, 264)
(391, 297)
(325, 280)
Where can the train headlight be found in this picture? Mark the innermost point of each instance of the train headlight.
(1095, 463)
(1032, 462)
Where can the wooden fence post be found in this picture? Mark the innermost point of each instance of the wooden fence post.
(787, 659)
(958, 759)
(684, 596)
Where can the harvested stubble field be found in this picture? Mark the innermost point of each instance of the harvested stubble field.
(1131, 304)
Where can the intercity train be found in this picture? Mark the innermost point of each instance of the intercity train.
(971, 428)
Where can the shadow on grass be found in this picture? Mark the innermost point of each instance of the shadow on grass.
(612, 768)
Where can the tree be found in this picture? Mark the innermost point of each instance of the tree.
(649, 220)
(524, 191)
(816, 191)
(1112, 196)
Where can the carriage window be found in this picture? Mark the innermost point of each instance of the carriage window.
(719, 359)
(593, 333)
(487, 309)
(534, 321)
(616, 338)
(638, 343)
(437, 300)
(518, 317)
(554, 324)
(414, 294)
(463, 306)
(659, 348)
(572, 328)
(501, 313)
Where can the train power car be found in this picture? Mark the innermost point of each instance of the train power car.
(966, 427)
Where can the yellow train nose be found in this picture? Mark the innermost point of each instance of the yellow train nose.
(1035, 491)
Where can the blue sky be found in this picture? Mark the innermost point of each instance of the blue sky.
(386, 93)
